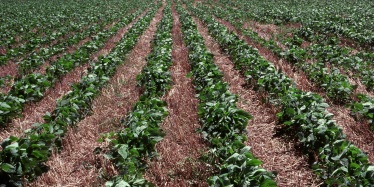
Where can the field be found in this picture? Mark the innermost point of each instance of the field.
(187, 93)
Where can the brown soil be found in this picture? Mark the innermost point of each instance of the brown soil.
(8, 69)
(265, 31)
(179, 164)
(33, 112)
(77, 165)
(276, 154)
(361, 88)
(3, 51)
(305, 44)
(347, 42)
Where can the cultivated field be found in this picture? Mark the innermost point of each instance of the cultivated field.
(187, 93)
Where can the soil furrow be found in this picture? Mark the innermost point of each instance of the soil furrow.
(77, 160)
(33, 112)
(8, 69)
(275, 153)
(178, 163)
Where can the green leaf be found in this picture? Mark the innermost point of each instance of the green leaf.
(4, 105)
(8, 168)
(123, 151)
(189, 75)
(268, 183)
(123, 183)
(109, 183)
(370, 168)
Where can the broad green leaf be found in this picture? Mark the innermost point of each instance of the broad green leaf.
(8, 168)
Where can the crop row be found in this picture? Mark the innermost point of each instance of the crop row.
(343, 19)
(34, 42)
(223, 124)
(36, 59)
(30, 19)
(338, 161)
(37, 24)
(336, 84)
(32, 86)
(325, 48)
(131, 147)
(23, 157)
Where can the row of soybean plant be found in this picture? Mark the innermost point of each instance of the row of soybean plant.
(55, 26)
(32, 87)
(32, 19)
(24, 157)
(38, 57)
(338, 161)
(325, 48)
(335, 84)
(223, 124)
(131, 147)
(326, 52)
(353, 21)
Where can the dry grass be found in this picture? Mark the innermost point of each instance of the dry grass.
(3, 51)
(178, 163)
(76, 165)
(276, 154)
